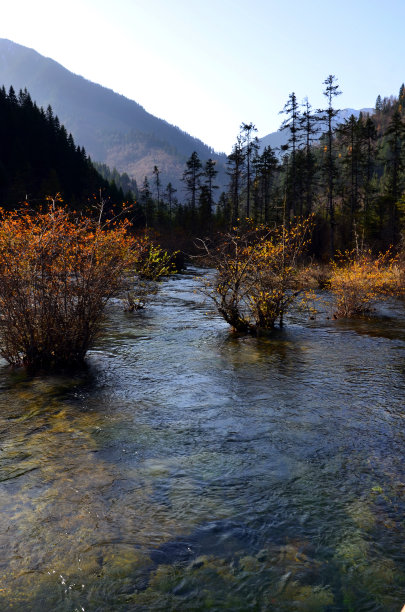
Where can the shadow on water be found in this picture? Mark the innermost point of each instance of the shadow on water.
(191, 468)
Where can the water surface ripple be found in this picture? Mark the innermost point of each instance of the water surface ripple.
(192, 469)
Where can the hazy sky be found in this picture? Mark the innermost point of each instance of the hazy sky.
(208, 65)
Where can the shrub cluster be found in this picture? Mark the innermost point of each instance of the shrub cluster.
(152, 264)
(358, 280)
(57, 272)
(257, 274)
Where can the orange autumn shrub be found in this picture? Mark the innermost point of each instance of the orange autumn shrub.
(57, 273)
(358, 280)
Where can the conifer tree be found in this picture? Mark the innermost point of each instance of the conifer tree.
(309, 127)
(191, 178)
(169, 195)
(378, 104)
(235, 163)
(351, 136)
(328, 114)
(401, 98)
(224, 213)
(210, 172)
(156, 174)
(12, 98)
(250, 147)
(147, 203)
(291, 109)
(267, 165)
(205, 208)
(160, 211)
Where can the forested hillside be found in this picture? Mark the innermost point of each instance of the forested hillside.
(38, 158)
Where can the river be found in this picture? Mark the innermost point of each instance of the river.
(191, 469)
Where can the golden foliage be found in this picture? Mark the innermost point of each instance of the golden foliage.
(257, 279)
(358, 280)
(152, 264)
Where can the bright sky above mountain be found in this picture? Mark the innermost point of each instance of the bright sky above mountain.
(208, 65)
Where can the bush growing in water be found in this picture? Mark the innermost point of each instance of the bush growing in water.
(57, 272)
(358, 280)
(152, 264)
(257, 279)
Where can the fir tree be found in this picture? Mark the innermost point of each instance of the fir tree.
(148, 206)
(328, 115)
(210, 173)
(292, 124)
(309, 127)
(235, 164)
(250, 147)
(169, 195)
(267, 165)
(191, 179)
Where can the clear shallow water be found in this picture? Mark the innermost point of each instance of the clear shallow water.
(190, 469)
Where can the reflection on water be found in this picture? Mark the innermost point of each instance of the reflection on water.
(191, 469)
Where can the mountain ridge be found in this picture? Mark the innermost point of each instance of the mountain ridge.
(113, 129)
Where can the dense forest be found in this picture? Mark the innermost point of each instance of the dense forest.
(122, 181)
(350, 175)
(39, 158)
